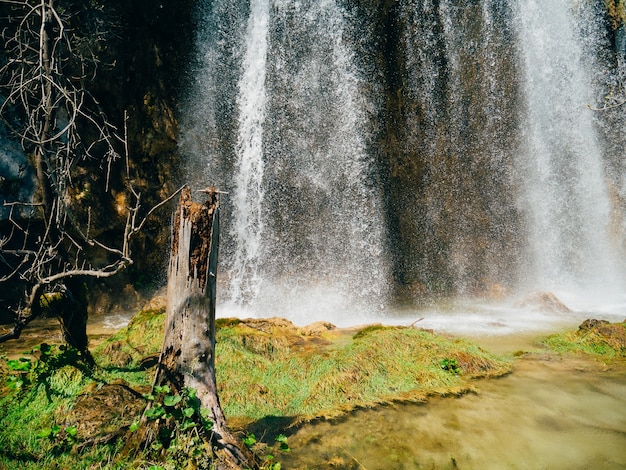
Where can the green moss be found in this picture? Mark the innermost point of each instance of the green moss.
(369, 329)
(377, 365)
(602, 339)
(142, 337)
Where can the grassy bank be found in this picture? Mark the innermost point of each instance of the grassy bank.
(56, 413)
(597, 338)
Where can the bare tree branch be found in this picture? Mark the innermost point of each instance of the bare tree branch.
(60, 124)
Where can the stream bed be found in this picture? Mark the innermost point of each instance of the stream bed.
(552, 412)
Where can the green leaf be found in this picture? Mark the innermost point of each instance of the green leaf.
(133, 427)
(155, 412)
(172, 400)
(47, 432)
(21, 364)
(71, 431)
(188, 412)
(187, 424)
(205, 414)
(162, 389)
(249, 440)
(156, 445)
(45, 349)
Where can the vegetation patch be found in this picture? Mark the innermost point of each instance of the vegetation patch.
(57, 412)
(593, 337)
(273, 370)
(138, 342)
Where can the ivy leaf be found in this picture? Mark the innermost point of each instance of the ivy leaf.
(162, 389)
(71, 431)
(188, 412)
(187, 424)
(249, 440)
(282, 439)
(47, 432)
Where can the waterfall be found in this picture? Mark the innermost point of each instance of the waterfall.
(304, 228)
(248, 192)
(376, 152)
(564, 184)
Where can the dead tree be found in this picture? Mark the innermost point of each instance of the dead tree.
(188, 352)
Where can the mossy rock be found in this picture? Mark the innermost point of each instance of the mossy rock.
(266, 369)
(593, 337)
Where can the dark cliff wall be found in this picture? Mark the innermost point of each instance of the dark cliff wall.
(138, 52)
(444, 152)
(150, 53)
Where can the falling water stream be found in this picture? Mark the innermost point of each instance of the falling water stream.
(500, 183)
(565, 189)
(248, 191)
(306, 230)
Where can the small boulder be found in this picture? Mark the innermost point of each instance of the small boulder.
(591, 323)
(316, 328)
(544, 302)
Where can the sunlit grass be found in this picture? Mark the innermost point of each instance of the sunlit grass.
(377, 366)
(266, 369)
(606, 340)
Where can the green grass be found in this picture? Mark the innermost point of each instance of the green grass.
(604, 340)
(378, 365)
(266, 370)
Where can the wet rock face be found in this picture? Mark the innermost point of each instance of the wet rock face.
(150, 54)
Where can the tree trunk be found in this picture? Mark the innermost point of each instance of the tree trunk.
(188, 353)
(74, 316)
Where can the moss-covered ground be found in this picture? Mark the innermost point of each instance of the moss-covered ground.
(56, 413)
(596, 338)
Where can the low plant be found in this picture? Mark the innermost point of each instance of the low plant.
(451, 365)
(269, 461)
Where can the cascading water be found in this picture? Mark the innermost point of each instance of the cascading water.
(305, 237)
(419, 147)
(248, 192)
(564, 184)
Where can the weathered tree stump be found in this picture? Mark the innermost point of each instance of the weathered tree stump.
(188, 353)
